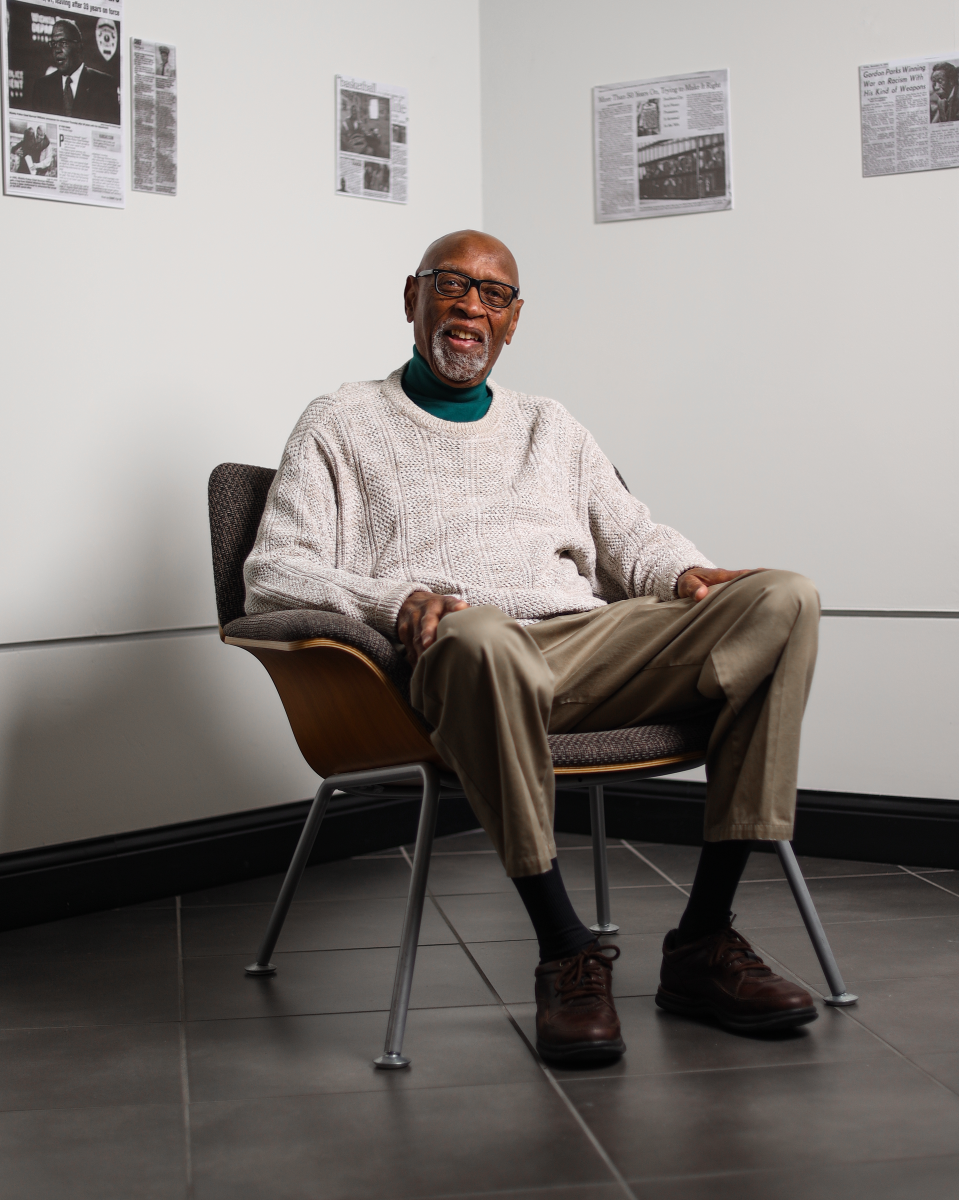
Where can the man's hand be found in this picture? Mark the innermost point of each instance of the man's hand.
(697, 581)
(419, 617)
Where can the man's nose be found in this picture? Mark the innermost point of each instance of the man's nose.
(471, 303)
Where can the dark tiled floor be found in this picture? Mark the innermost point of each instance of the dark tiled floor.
(141, 1062)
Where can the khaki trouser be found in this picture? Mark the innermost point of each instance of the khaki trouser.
(492, 689)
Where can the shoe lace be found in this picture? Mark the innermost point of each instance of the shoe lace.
(735, 953)
(585, 974)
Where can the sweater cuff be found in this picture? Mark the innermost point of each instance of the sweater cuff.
(670, 579)
(388, 607)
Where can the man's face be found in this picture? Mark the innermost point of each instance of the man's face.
(940, 84)
(66, 49)
(462, 338)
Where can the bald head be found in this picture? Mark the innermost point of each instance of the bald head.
(470, 241)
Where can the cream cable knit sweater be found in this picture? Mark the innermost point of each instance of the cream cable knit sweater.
(375, 499)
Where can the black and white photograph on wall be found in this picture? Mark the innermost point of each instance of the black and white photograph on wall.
(371, 131)
(63, 73)
(910, 115)
(944, 93)
(153, 75)
(33, 147)
(662, 147)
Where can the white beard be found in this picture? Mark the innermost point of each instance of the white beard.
(454, 365)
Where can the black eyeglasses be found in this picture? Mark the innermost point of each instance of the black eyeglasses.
(453, 285)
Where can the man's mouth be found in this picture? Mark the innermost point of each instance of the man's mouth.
(460, 338)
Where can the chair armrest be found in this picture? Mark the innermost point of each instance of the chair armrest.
(304, 624)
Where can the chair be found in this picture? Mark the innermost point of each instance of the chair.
(346, 694)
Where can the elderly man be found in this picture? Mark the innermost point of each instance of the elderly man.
(74, 89)
(485, 530)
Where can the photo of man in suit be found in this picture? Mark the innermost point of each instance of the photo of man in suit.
(944, 93)
(74, 89)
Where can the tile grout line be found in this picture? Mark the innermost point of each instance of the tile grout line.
(551, 1079)
(648, 863)
(916, 875)
(184, 1065)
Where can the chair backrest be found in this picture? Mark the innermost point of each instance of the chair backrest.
(237, 499)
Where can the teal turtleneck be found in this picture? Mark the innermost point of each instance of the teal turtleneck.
(438, 398)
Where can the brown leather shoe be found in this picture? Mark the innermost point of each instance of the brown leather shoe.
(576, 1019)
(723, 977)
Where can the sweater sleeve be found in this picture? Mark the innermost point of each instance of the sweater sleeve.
(632, 551)
(292, 563)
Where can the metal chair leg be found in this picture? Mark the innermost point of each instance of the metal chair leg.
(304, 846)
(817, 935)
(392, 1056)
(597, 817)
(294, 874)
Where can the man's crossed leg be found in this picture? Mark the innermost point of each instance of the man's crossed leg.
(493, 689)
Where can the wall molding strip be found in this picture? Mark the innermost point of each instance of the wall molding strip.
(938, 614)
(142, 635)
(101, 639)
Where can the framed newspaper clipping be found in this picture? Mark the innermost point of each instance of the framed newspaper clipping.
(62, 126)
(371, 152)
(661, 146)
(910, 115)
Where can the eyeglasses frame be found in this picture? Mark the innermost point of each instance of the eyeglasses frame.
(435, 271)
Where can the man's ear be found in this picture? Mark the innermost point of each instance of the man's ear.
(409, 297)
(514, 322)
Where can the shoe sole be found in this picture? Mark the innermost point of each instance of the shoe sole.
(582, 1052)
(789, 1019)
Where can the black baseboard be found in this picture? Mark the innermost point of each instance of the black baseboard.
(130, 868)
(863, 828)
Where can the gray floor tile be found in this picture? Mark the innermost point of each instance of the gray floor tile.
(929, 1178)
(284, 1056)
(914, 1015)
(679, 862)
(58, 991)
(134, 932)
(509, 966)
(351, 879)
(869, 950)
(625, 869)
(588, 1191)
(89, 1067)
(659, 1043)
(944, 1067)
(321, 925)
(871, 898)
(710, 1121)
(93, 1154)
(327, 981)
(496, 916)
(461, 874)
(431, 1142)
(647, 910)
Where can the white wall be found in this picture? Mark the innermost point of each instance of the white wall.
(779, 381)
(196, 331)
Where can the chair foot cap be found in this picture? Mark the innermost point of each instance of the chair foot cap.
(604, 929)
(841, 1000)
(391, 1062)
(260, 969)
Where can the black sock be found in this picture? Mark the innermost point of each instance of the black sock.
(559, 931)
(721, 865)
